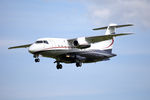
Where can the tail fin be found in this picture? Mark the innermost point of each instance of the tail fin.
(111, 29)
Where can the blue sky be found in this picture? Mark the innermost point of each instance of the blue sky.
(125, 76)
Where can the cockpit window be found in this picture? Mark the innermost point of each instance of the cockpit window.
(46, 42)
(39, 42)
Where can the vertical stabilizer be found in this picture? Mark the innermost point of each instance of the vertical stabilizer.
(111, 29)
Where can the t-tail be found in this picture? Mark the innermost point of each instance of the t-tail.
(111, 30)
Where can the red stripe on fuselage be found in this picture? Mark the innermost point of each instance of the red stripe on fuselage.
(111, 43)
(56, 47)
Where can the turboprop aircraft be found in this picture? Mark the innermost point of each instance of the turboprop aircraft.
(77, 50)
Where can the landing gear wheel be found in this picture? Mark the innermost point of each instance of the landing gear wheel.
(78, 64)
(36, 57)
(37, 60)
(59, 66)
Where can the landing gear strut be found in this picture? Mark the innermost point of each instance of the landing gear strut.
(78, 64)
(79, 60)
(58, 66)
(36, 56)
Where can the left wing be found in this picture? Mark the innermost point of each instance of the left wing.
(21, 46)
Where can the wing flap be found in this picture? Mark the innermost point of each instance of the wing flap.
(21, 46)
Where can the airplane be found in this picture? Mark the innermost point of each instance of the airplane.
(77, 50)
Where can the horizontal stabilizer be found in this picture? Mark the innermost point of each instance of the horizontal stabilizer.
(113, 25)
(21, 46)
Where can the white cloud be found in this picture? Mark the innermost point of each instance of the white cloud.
(98, 14)
(119, 11)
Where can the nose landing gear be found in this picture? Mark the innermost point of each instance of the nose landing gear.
(37, 60)
(36, 56)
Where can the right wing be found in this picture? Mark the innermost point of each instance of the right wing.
(21, 46)
(95, 39)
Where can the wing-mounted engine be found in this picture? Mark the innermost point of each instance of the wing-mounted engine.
(81, 43)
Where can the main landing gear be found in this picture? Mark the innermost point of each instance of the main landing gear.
(58, 66)
(78, 64)
(36, 56)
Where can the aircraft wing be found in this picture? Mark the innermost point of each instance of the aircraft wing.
(95, 39)
(21, 46)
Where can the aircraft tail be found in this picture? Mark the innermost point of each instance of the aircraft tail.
(111, 29)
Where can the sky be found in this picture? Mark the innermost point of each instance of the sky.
(124, 77)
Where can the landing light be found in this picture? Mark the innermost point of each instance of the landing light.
(67, 56)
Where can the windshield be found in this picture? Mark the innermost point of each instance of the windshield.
(44, 41)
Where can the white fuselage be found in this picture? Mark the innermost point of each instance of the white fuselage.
(60, 46)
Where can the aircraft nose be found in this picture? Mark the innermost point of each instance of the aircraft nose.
(32, 49)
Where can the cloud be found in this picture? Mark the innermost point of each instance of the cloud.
(98, 14)
(119, 11)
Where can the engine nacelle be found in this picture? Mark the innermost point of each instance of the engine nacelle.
(81, 43)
